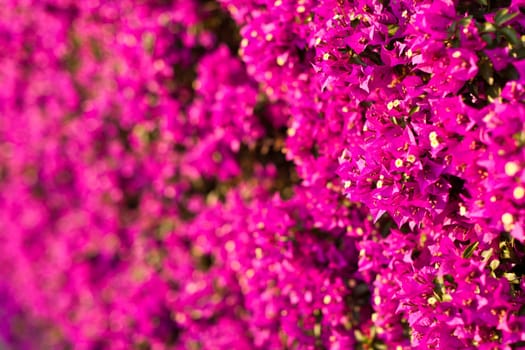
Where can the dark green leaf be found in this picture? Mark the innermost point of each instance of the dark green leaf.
(486, 70)
(519, 53)
(465, 21)
(488, 39)
(449, 278)
(511, 36)
(510, 73)
(467, 253)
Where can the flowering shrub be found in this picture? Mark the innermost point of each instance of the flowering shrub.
(262, 174)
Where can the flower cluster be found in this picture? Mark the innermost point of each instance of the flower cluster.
(266, 174)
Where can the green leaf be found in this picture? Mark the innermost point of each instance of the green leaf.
(487, 27)
(488, 39)
(494, 264)
(519, 53)
(486, 254)
(465, 21)
(486, 71)
(511, 36)
(399, 122)
(453, 27)
(359, 336)
(493, 92)
(483, 2)
(519, 138)
(503, 16)
(413, 110)
(449, 278)
(392, 29)
(467, 253)
(505, 252)
(357, 60)
(510, 73)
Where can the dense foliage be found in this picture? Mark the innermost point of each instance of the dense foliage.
(264, 174)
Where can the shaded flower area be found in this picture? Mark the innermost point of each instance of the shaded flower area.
(262, 174)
